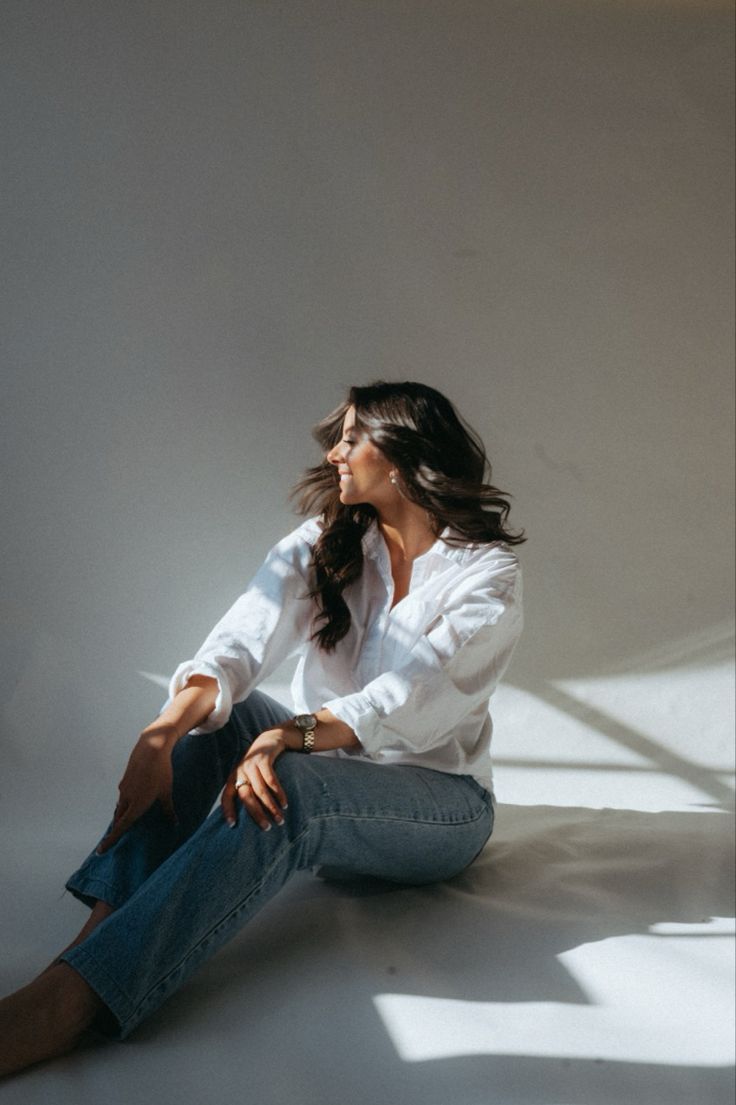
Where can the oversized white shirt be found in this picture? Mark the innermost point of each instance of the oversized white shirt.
(413, 681)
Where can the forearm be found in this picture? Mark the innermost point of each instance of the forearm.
(188, 709)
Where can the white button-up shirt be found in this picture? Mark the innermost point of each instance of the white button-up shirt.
(413, 681)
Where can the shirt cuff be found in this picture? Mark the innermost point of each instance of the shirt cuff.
(222, 709)
(357, 712)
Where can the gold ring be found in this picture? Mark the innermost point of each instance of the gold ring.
(242, 783)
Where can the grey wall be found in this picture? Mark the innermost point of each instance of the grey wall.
(217, 216)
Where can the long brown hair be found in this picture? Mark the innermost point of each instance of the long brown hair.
(442, 466)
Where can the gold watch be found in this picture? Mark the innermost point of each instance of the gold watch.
(306, 723)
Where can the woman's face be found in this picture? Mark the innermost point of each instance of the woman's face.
(362, 467)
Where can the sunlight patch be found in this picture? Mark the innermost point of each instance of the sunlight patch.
(658, 998)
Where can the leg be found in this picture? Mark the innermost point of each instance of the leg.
(407, 824)
(201, 765)
(100, 911)
(46, 1018)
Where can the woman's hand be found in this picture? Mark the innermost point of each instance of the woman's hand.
(254, 782)
(147, 779)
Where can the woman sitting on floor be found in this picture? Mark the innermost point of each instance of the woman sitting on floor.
(402, 598)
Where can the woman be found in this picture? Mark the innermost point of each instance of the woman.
(401, 596)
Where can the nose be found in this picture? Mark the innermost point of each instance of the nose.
(335, 455)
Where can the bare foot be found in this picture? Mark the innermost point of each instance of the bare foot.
(46, 1018)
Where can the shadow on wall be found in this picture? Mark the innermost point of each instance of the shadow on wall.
(681, 693)
(660, 758)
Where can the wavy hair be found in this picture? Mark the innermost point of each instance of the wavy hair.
(442, 466)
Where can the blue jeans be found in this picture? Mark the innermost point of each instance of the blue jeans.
(181, 890)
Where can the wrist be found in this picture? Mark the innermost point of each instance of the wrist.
(273, 740)
(291, 736)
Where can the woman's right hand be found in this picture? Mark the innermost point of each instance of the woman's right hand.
(147, 779)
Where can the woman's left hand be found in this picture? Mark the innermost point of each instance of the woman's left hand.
(254, 782)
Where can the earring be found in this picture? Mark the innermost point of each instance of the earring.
(392, 477)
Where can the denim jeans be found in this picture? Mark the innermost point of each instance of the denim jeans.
(181, 890)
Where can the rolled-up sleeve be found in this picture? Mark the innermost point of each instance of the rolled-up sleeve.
(451, 672)
(269, 622)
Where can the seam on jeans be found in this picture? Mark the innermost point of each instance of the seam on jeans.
(405, 820)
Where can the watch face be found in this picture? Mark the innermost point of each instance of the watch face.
(305, 721)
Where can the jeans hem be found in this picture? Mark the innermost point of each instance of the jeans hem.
(89, 891)
(118, 1003)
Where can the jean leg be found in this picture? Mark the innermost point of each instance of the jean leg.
(201, 763)
(403, 823)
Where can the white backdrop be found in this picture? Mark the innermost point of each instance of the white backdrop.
(217, 217)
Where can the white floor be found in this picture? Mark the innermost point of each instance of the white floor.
(585, 958)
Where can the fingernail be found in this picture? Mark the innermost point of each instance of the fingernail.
(231, 822)
(266, 827)
(279, 820)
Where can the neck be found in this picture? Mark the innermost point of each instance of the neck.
(407, 530)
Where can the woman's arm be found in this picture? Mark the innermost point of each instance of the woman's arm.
(147, 777)
(267, 623)
(270, 621)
